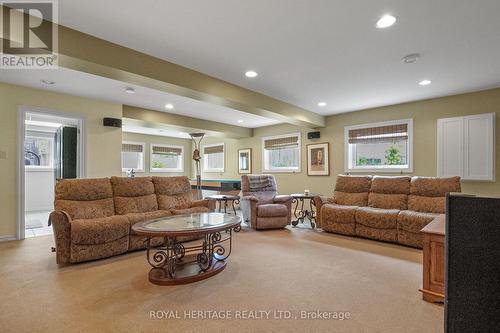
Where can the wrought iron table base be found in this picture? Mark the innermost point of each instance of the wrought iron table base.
(233, 202)
(174, 263)
(302, 214)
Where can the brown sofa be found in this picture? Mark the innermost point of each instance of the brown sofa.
(392, 209)
(93, 217)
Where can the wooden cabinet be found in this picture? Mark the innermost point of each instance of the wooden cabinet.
(433, 261)
(466, 147)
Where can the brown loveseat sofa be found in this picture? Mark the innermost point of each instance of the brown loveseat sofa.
(392, 209)
(93, 217)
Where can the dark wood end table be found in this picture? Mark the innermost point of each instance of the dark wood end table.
(304, 213)
(225, 198)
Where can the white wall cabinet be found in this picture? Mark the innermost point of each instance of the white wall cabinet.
(466, 147)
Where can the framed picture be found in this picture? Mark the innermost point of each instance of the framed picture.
(318, 159)
(245, 160)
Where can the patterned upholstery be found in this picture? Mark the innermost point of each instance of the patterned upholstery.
(173, 192)
(84, 198)
(339, 219)
(134, 195)
(99, 230)
(94, 217)
(398, 207)
(261, 206)
(409, 225)
(389, 192)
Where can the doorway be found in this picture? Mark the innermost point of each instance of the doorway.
(51, 148)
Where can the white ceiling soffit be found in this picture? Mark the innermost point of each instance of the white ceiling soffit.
(307, 52)
(97, 87)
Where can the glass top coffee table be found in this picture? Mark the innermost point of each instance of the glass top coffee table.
(175, 262)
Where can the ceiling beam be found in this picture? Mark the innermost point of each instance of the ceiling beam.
(96, 56)
(86, 53)
(162, 120)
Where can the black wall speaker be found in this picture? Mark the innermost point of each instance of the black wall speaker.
(313, 135)
(472, 275)
(112, 122)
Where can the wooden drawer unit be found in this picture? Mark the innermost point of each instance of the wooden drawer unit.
(433, 261)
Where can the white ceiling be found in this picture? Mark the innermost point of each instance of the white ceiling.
(87, 85)
(307, 51)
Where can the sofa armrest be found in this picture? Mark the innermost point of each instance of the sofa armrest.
(210, 204)
(282, 198)
(250, 198)
(319, 201)
(61, 224)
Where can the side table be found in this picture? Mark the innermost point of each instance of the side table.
(224, 199)
(304, 213)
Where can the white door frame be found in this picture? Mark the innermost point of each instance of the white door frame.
(81, 156)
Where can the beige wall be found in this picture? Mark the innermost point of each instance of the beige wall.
(148, 140)
(102, 143)
(424, 114)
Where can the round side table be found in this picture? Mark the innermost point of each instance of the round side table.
(224, 199)
(304, 212)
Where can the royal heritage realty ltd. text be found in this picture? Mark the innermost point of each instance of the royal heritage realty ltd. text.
(248, 315)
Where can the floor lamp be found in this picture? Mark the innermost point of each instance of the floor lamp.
(197, 137)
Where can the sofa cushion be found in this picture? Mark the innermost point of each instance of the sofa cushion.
(388, 201)
(427, 204)
(173, 192)
(271, 210)
(191, 210)
(350, 199)
(274, 222)
(414, 221)
(353, 184)
(434, 187)
(134, 218)
(377, 218)
(99, 231)
(386, 235)
(86, 209)
(83, 189)
(390, 185)
(85, 198)
(338, 218)
(134, 195)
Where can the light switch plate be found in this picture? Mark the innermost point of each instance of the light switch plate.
(3, 155)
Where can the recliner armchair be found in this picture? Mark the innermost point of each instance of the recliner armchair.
(261, 205)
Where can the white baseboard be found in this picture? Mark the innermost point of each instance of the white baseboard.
(4, 238)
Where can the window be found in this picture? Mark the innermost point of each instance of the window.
(213, 158)
(133, 156)
(167, 158)
(379, 147)
(281, 153)
(39, 152)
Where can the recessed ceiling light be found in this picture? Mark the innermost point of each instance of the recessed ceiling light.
(411, 58)
(130, 90)
(240, 121)
(386, 21)
(251, 74)
(321, 104)
(169, 106)
(425, 82)
(47, 82)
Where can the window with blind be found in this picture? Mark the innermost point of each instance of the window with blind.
(382, 147)
(133, 156)
(166, 158)
(213, 158)
(281, 153)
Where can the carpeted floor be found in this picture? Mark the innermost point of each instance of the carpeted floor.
(284, 270)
